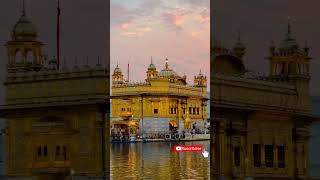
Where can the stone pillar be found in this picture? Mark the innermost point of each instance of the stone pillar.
(263, 157)
(221, 148)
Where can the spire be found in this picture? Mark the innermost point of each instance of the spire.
(58, 33)
(239, 35)
(289, 41)
(23, 8)
(289, 25)
(289, 28)
(128, 79)
(151, 60)
(167, 65)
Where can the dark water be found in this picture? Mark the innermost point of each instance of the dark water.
(157, 160)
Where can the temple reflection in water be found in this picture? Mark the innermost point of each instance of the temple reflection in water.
(157, 160)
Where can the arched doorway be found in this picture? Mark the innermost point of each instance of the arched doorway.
(173, 126)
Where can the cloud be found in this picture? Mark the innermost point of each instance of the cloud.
(137, 33)
(121, 13)
(146, 29)
(175, 18)
(197, 3)
(124, 26)
(131, 34)
(195, 33)
(202, 19)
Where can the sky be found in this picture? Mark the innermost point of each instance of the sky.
(177, 29)
(83, 29)
(263, 21)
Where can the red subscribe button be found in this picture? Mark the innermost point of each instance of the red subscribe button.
(188, 148)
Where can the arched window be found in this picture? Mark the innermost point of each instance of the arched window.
(45, 151)
(58, 151)
(39, 151)
(283, 67)
(19, 57)
(64, 152)
(29, 56)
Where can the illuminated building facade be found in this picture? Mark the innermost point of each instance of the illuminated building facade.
(163, 102)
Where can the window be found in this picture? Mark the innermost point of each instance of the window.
(65, 153)
(281, 156)
(268, 150)
(194, 110)
(155, 111)
(175, 110)
(39, 151)
(198, 110)
(190, 110)
(184, 110)
(57, 150)
(237, 156)
(256, 155)
(45, 151)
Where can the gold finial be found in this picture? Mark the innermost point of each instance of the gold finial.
(167, 65)
(23, 8)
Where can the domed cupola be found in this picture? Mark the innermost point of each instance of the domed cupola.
(289, 60)
(24, 50)
(24, 29)
(239, 48)
(152, 66)
(289, 42)
(117, 77)
(152, 72)
(167, 72)
(200, 80)
(117, 70)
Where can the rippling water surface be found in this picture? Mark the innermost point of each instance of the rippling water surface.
(157, 160)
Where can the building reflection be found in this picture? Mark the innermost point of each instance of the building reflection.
(157, 160)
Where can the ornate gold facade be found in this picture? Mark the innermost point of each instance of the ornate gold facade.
(164, 99)
(261, 123)
(54, 117)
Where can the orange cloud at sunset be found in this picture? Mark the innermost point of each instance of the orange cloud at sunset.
(124, 26)
(179, 31)
(146, 29)
(130, 34)
(202, 18)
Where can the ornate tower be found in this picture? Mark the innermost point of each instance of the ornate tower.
(152, 71)
(200, 80)
(239, 49)
(289, 60)
(24, 50)
(117, 77)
